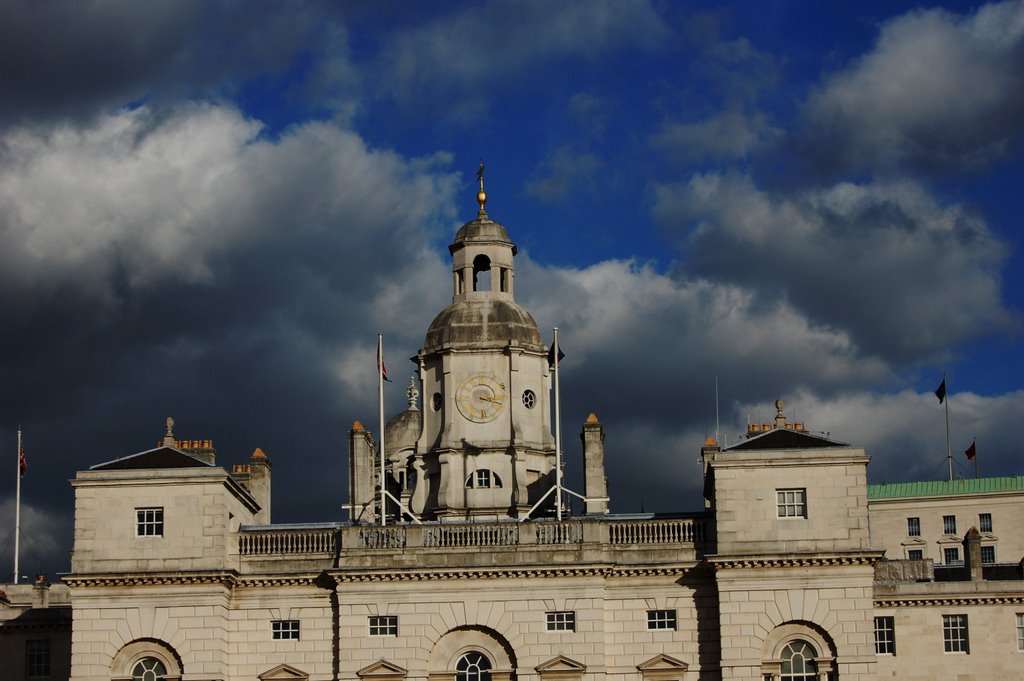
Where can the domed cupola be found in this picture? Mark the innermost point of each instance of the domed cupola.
(483, 309)
(485, 447)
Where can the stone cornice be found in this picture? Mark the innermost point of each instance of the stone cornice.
(227, 579)
(264, 581)
(473, 573)
(794, 560)
(948, 600)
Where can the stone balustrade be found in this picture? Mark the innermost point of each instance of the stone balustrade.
(323, 541)
(264, 541)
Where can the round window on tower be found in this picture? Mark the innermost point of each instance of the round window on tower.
(529, 399)
(435, 402)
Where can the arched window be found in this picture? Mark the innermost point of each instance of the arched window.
(481, 265)
(798, 662)
(149, 669)
(473, 666)
(483, 479)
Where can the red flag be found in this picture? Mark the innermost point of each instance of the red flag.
(22, 462)
(971, 451)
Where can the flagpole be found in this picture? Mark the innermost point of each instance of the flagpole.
(380, 438)
(558, 435)
(949, 452)
(17, 507)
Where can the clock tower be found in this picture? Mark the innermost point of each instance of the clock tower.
(485, 449)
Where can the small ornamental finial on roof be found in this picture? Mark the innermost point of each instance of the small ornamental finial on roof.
(592, 418)
(169, 435)
(780, 418)
(413, 393)
(481, 196)
(358, 425)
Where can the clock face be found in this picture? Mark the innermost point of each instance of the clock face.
(480, 398)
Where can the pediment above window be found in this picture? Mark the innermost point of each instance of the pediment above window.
(662, 668)
(382, 670)
(561, 668)
(284, 672)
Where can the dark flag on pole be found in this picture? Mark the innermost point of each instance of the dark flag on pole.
(940, 392)
(971, 451)
(383, 370)
(551, 355)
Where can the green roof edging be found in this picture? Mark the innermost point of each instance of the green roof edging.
(938, 488)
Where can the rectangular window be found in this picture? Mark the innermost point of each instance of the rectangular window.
(988, 555)
(913, 527)
(1020, 631)
(951, 556)
(384, 625)
(661, 619)
(949, 524)
(985, 522)
(954, 633)
(792, 503)
(37, 659)
(149, 522)
(562, 620)
(915, 554)
(885, 636)
(284, 629)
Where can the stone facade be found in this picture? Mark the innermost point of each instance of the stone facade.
(458, 575)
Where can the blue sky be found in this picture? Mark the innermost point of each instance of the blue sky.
(210, 209)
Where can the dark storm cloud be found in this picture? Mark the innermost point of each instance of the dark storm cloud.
(905, 276)
(70, 60)
(938, 91)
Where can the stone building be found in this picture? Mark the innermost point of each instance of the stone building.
(796, 570)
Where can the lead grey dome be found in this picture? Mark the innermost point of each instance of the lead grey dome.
(485, 321)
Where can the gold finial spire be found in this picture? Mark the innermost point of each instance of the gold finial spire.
(481, 196)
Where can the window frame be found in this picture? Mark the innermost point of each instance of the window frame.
(984, 522)
(383, 625)
(911, 554)
(149, 521)
(949, 524)
(662, 620)
(991, 551)
(797, 502)
(38, 658)
(1020, 632)
(146, 664)
(473, 665)
(914, 527)
(956, 634)
(560, 620)
(885, 635)
(951, 550)
(285, 630)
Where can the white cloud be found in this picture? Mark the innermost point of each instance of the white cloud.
(155, 198)
(905, 432)
(937, 88)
